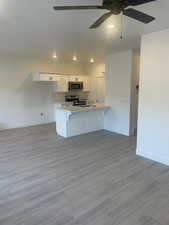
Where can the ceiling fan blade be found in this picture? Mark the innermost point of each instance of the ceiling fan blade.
(101, 20)
(78, 7)
(137, 15)
(137, 2)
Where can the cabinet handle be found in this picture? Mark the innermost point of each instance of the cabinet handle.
(50, 78)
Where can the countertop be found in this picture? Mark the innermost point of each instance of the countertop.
(75, 109)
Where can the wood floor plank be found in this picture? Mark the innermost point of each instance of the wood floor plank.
(90, 179)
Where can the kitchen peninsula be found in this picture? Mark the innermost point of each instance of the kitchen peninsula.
(76, 120)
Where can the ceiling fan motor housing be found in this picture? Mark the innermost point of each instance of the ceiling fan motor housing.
(115, 7)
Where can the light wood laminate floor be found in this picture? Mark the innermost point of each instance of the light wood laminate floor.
(92, 179)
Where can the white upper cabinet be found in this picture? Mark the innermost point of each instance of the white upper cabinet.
(61, 81)
(36, 76)
(100, 89)
(61, 85)
(75, 78)
(86, 83)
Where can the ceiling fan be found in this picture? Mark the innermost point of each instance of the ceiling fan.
(115, 7)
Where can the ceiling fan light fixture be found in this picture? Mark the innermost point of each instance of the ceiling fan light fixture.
(114, 7)
(110, 26)
(55, 56)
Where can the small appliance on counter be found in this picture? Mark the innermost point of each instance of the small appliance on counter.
(80, 103)
(76, 100)
(71, 98)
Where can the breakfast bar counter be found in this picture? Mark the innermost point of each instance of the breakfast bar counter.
(76, 120)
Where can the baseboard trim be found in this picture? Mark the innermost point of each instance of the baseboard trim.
(26, 126)
(154, 157)
(118, 132)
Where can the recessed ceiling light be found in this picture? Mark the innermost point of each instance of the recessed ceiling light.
(55, 56)
(110, 26)
(92, 60)
(74, 58)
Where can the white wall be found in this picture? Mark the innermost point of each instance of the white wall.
(21, 100)
(153, 122)
(119, 92)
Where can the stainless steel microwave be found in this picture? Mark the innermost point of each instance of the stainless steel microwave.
(75, 86)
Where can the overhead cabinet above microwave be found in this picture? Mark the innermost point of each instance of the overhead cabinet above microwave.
(64, 83)
(36, 76)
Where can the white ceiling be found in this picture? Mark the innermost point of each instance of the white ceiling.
(33, 28)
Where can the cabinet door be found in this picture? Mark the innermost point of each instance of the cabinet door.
(61, 85)
(75, 78)
(48, 77)
(100, 89)
(86, 83)
(36, 76)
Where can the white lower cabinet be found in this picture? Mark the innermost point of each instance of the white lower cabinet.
(72, 122)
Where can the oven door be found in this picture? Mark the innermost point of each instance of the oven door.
(75, 86)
